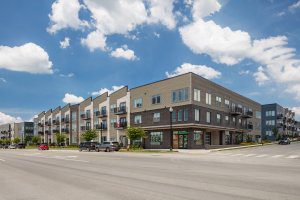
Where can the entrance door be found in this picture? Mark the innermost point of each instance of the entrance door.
(208, 138)
(182, 141)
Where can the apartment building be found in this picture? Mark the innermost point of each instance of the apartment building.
(5, 131)
(70, 123)
(276, 117)
(19, 129)
(195, 111)
(119, 115)
(101, 116)
(86, 115)
(41, 126)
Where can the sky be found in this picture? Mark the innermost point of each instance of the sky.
(63, 51)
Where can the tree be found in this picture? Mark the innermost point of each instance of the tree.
(276, 133)
(16, 140)
(135, 133)
(1, 141)
(89, 135)
(6, 141)
(35, 139)
(27, 139)
(60, 138)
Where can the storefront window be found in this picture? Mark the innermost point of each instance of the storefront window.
(156, 138)
(198, 135)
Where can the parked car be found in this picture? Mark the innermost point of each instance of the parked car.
(21, 146)
(284, 141)
(108, 146)
(43, 147)
(88, 146)
(5, 146)
(12, 146)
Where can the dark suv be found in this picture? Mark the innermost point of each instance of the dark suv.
(89, 146)
(108, 146)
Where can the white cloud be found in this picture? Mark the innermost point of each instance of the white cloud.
(280, 14)
(70, 75)
(65, 43)
(156, 34)
(26, 58)
(294, 6)
(103, 90)
(4, 118)
(3, 80)
(202, 70)
(222, 44)
(297, 112)
(162, 12)
(32, 118)
(244, 72)
(65, 14)
(95, 40)
(72, 99)
(260, 76)
(123, 52)
(204, 8)
(294, 90)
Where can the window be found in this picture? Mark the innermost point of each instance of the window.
(233, 121)
(112, 122)
(258, 114)
(233, 105)
(218, 118)
(138, 119)
(208, 98)
(103, 110)
(156, 138)
(113, 108)
(270, 113)
(227, 119)
(270, 122)
(218, 101)
(174, 116)
(269, 133)
(197, 95)
(240, 121)
(197, 115)
(180, 95)
(179, 117)
(227, 103)
(156, 99)
(198, 135)
(185, 115)
(208, 117)
(156, 117)
(138, 103)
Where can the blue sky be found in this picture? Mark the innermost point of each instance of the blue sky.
(249, 46)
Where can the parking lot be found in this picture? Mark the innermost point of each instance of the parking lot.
(268, 172)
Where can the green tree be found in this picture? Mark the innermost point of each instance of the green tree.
(1, 141)
(27, 139)
(276, 133)
(35, 139)
(60, 138)
(16, 140)
(6, 141)
(89, 135)
(135, 133)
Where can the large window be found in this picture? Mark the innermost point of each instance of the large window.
(185, 115)
(226, 119)
(113, 108)
(156, 117)
(156, 138)
(208, 119)
(138, 119)
(258, 114)
(197, 115)
(198, 137)
(197, 95)
(269, 133)
(180, 95)
(156, 99)
(270, 113)
(179, 115)
(270, 122)
(233, 120)
(227, 103)
(174, 116)
(208, 98)
(138, 103)
(218, 118)
(218, 101)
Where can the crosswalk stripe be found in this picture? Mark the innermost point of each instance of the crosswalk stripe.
(276, 156)
(261, 156)
(293, 156)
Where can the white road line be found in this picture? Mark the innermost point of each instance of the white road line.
(2, 160)
(261, 156)
(237, 154)
(248, 155)
(68, 158)
(293, 156)
(277, 156)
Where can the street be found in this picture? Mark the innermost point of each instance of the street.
(268, 172)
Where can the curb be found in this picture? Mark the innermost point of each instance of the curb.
(240, 147)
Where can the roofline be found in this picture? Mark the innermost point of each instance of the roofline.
(101, 95)
(126, 86)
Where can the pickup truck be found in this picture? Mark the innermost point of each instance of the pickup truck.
(108, 146)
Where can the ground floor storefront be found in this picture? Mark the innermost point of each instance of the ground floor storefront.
(191, 138)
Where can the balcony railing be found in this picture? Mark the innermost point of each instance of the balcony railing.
(41, 132)
(48, 132)
(121, 125)
(40, 124)
(247, 114)
(55, 130)
(98, 127)
(48, 123)
(85, 116)
(56, 122)
(120, 110)
(65, 130)
(85, 128)
(279, 116)
(250, 126)
(236, 111)
(279, 125)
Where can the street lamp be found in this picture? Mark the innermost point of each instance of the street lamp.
(171, 129)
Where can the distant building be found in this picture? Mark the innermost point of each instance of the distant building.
(13, 130)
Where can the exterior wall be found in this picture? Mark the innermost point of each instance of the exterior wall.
(41, 126)
(5, 131)
(74, 124)
(85, 123)
(49, 138)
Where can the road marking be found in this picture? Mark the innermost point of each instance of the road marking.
(68, 158)
(237, 154)
(248, 155)
(293, 156)
(276, 156)
(2, 160)
(261, 156)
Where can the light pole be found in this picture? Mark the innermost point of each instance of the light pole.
(101, 128)
(171, 129)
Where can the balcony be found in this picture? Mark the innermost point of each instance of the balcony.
(55, 122)
(247, 114)
(98, 127)
(65, 130)
(97, 113)
(40, 124)
(236, 111)
(280, 116)
(85, 116)
(47, 132)
(85, 128)
(279, 125)
(48, 123)
(120, 110)
(120, 126)
(55, 130)
(249, 126)
(41, 132)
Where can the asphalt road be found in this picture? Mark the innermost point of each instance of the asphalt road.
(269, 172)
